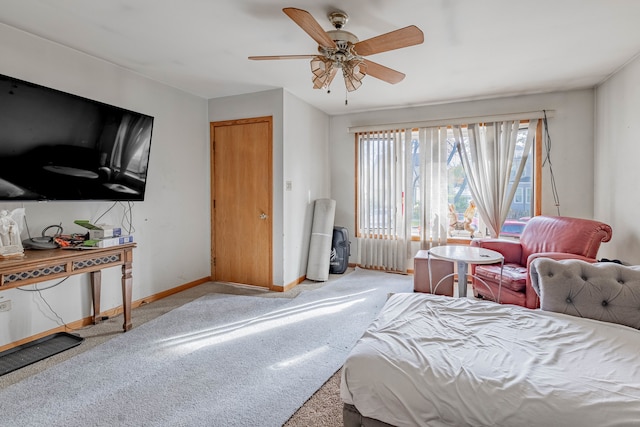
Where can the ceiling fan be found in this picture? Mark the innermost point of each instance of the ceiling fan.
(340, 49)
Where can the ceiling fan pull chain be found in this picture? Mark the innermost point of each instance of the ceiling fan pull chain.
(346, 97)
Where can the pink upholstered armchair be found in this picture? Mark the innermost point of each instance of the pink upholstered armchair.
(553, 237)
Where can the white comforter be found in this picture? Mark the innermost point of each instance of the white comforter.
(434, 361)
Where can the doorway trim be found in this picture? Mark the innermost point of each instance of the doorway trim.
(238, 122)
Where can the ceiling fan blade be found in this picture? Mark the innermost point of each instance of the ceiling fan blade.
(264, 58)
(383, 73)
(310, 26)
(404, 37)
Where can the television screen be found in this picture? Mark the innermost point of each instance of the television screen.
(59, 146)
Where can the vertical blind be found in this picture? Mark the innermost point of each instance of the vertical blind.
(382, 218)
(433, 201)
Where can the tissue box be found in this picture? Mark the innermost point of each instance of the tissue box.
(99, 231)
(108, 242)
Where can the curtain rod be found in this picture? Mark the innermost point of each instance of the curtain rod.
(529, 115)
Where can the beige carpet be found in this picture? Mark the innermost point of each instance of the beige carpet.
(324, 408)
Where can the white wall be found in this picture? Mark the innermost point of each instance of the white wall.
(306, 166)
(617, 169)
(169, 224)
(571, 132)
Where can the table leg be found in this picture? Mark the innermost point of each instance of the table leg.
(462, 279)
(96, 281)
(127, 284)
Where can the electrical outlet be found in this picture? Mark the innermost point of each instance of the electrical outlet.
(5, 305)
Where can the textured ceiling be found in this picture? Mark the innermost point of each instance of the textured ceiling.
(473, 49)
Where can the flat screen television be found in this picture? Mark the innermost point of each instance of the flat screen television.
(59, 146)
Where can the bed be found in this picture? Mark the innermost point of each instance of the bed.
(430, 360)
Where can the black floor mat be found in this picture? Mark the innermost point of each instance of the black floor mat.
(34, 351)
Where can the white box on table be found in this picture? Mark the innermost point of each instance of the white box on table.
(108, 242)
(99, 231)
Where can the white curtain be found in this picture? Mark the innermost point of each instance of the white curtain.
(488, 160)
(385, 232)
(433, 197)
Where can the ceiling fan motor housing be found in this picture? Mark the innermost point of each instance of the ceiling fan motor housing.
(338, 19)
(341, 36)
(344, 51)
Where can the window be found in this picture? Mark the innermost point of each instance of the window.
(380, 182)
(518, 198)
(458, 192)
(387, 150)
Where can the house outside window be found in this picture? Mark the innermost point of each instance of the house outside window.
(518, 197)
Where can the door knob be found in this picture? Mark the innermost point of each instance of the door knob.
(263, 216)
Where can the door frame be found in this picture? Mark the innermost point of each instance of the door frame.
(212, 126)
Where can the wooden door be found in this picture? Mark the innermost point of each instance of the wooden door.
(241, 188)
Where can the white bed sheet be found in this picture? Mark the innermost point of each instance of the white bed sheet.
(434, 361)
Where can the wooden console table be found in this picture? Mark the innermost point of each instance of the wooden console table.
(41, 265)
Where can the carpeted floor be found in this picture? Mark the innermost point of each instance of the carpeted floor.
(324, 408)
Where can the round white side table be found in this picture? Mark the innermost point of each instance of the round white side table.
(465, 255)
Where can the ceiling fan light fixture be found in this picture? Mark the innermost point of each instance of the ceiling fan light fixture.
(320, 66)
(353, 73)
(323, 72)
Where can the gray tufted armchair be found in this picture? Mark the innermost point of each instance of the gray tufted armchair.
(602, 291)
